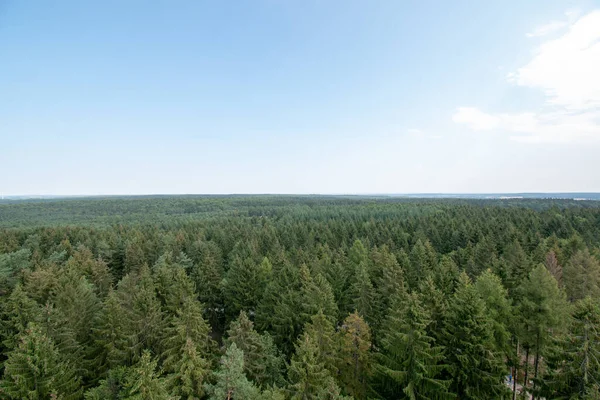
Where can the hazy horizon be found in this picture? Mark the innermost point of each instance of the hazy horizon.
(124, 98)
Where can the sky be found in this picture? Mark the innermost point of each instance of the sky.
(311, 96)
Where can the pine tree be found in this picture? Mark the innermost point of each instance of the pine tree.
(409, 361)
(354, 356)
(35, 370)
(476, 369)
(262, 362)
(230, 381)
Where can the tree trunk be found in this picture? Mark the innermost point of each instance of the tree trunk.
(526, 368)
(536, 363)
(516, 373)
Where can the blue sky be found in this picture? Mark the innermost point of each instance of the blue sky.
(281, 96)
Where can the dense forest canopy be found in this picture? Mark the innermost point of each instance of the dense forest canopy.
(299, 297)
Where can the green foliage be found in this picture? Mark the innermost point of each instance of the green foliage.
(574, 360)
(308, 376)
(409, 361)
(474, 365)
(581, 276)
(230, 381)
(354, 355)
(128, 296)
(262, 362)
(35, 370)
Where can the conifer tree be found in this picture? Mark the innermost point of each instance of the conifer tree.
(574, 360)
(553, 266)
(35, 370)
(423, 260)
(11, 265)
(409, 360)
(143, 382)
(543, 309)
(499, 309)
(244, 284)
(363, 294)
(76, 307)
(262, 363)
(317, 295)
(581, 276)
(322, 332)
(16, 313)
(113, 334)
(309, 378)
(95, 270)
(280, 311)
(187, 347)
(354, 356)
(476, 369)
(230, 381)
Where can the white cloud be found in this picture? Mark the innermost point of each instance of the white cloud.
(475, 119)
(535, 128)
(566, 70)
(548, 28)
(414, 131)
(554, 26)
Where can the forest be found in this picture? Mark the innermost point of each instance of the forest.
(299, 297)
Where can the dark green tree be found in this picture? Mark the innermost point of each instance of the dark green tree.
(409, 360)
(35, 370)
(476, 369)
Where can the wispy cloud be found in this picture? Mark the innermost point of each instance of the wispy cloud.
(554, 26)
(547, 29)
(565, 69)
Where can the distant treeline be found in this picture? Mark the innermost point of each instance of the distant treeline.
(299, 297)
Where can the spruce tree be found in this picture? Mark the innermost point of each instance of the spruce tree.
(244, 284)
(35, 370)
(581, 276)
(574, 359)
(322, 332)
(144, 382)
(409, 360)
(230, 381)
(500, 311)
(262, 362)
(476, 369)
(187, 346)
(542, 310)
(354, 356)
(309, 378)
